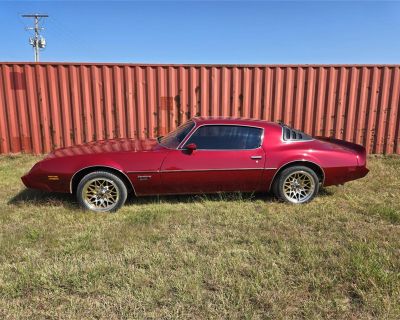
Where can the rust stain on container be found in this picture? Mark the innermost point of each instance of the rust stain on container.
(48, 105)
(17, 80)
(166, 103)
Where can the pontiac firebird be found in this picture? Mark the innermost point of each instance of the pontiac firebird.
(204, 155)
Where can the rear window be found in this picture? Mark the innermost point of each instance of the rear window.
(290, 134)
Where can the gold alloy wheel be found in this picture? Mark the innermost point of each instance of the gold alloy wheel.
(101, 194)
(298, 187)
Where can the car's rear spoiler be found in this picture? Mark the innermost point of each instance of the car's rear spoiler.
(359, 149)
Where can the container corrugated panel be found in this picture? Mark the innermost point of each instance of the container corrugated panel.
(49, 105)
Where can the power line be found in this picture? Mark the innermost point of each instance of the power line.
(37, 41)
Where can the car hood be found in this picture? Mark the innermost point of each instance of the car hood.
(107, 146)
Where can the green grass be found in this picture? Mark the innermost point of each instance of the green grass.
(223, 256)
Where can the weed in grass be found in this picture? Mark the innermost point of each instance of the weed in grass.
(145, 217)
(386, 212)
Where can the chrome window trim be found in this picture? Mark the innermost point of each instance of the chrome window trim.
(180, 146)
(72, 178)
(300, 160)
(194, 127)
(224, 149)
(296, 141)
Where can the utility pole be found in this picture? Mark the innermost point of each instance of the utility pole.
(37, 42)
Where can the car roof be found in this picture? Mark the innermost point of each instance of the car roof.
(237, 121)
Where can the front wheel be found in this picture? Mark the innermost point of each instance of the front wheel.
(296, 185)
(101, 191)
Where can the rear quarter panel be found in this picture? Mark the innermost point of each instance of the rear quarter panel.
(336, 163)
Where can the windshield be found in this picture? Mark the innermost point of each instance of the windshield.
(174, 138)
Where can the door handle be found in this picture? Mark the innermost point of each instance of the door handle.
(256, 157)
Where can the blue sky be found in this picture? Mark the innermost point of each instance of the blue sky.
(207, 32)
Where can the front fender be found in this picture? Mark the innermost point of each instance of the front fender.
(99, 162)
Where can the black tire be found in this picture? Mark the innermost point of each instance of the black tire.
(94, 196)
(274, 187)
(289, 192)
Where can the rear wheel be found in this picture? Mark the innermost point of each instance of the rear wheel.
(101, 191)
(296, 185)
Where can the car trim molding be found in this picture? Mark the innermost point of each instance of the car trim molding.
(144, 171)
(227, 169)
(104, 166)
(299, 160)
(198, 170)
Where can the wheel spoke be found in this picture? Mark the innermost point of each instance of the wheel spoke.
(299, 186)
(101, 194)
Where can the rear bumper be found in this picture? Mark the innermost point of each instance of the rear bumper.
(340, 175)
(363, 171)
(357, 173)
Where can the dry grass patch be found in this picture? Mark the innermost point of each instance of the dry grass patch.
(223, 256)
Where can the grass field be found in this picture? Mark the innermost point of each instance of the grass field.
(224, 256)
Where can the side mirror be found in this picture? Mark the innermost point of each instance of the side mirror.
(191, 147)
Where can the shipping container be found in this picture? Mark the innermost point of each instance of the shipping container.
(50, 105)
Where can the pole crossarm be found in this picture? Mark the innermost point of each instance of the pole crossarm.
(35, 15)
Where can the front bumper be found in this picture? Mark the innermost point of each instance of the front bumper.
(34, 182)
(25, 180)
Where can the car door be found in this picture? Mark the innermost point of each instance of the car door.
(226, 158)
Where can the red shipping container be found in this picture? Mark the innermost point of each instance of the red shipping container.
(49, 105)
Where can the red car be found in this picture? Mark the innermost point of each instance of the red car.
(204, 155)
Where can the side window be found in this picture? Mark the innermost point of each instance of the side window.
(214, 137)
